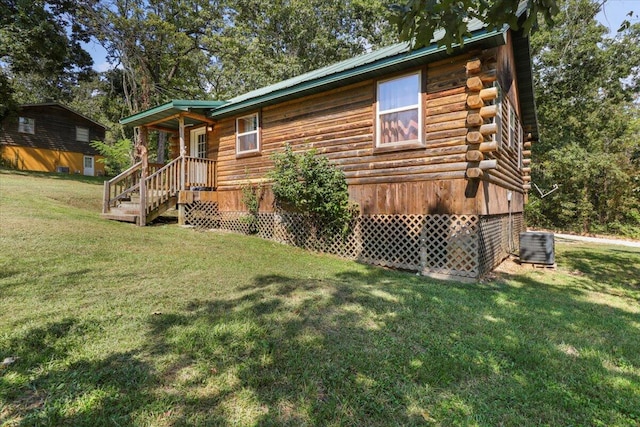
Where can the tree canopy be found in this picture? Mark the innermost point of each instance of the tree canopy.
(417, 20)
(587, 92)
(40, 45)
(218, 49)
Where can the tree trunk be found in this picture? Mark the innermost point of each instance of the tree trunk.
(585, 211)
(162, 144)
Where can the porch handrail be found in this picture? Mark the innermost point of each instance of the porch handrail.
(161, 186)
(166, 182)
(126, 173)
(120, 186)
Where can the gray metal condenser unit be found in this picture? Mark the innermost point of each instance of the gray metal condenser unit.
(537, 248)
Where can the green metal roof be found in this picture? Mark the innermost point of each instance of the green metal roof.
(391, 58)
(165, 111)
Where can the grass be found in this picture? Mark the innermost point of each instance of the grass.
(115, 325)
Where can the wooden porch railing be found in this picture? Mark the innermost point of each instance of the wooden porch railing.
(200, 173)
(161, 183)
(160, 186)
(181, 173)
(121, 187)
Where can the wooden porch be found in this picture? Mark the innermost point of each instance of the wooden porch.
(146, 190)
(140, 195)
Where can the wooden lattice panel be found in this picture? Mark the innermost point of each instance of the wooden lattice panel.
(202, 215)
(296, 230)
(498, 238)
(450, 245)
(349, 246)
(391, 240)
(240, 222)
(266, 225)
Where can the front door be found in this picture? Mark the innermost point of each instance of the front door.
(198, 148)
(199, 143)
(88, 166)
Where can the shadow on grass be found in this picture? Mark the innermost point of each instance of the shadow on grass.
(378, 348)
(358, 348)
(43, 384)
(607, 269)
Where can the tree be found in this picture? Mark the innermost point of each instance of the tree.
(200, 49)
(40, 44)
(417, 20)
(586, 92)
(266, 42)
(157, 44)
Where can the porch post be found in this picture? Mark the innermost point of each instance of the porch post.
(183, 164)
(183, 153)
(143, 134)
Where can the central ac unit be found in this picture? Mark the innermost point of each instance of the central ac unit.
(537, 248)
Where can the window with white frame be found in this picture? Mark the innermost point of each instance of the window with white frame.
(247, 134)
(88, 162)
(510, 133)
(513, 126)
(201, 147)
(399, 111)
(26, 125)
(82, 134)
(519, 142)
(199, 143)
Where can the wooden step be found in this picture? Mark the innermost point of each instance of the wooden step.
(129, 211)
(120, 216)
(128, 207)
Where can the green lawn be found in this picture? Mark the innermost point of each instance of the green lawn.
(118, 325)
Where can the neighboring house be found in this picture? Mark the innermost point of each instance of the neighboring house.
(434, 146)
(50, 137)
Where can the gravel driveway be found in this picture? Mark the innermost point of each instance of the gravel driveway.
(603, 241)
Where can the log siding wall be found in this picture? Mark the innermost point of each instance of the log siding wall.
(340, 124)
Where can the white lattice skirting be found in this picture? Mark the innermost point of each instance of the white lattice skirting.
(463, 246)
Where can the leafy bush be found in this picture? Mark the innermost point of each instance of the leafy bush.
(533, 212)
(117, 156)
(306, 183)
(251, 197)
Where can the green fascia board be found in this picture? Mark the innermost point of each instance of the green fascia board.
(167, 110)
(356, 68)
(528, 110)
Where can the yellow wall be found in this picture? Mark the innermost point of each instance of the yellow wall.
(44, 160)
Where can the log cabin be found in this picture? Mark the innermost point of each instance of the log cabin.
(435, 147)
(51, 137)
